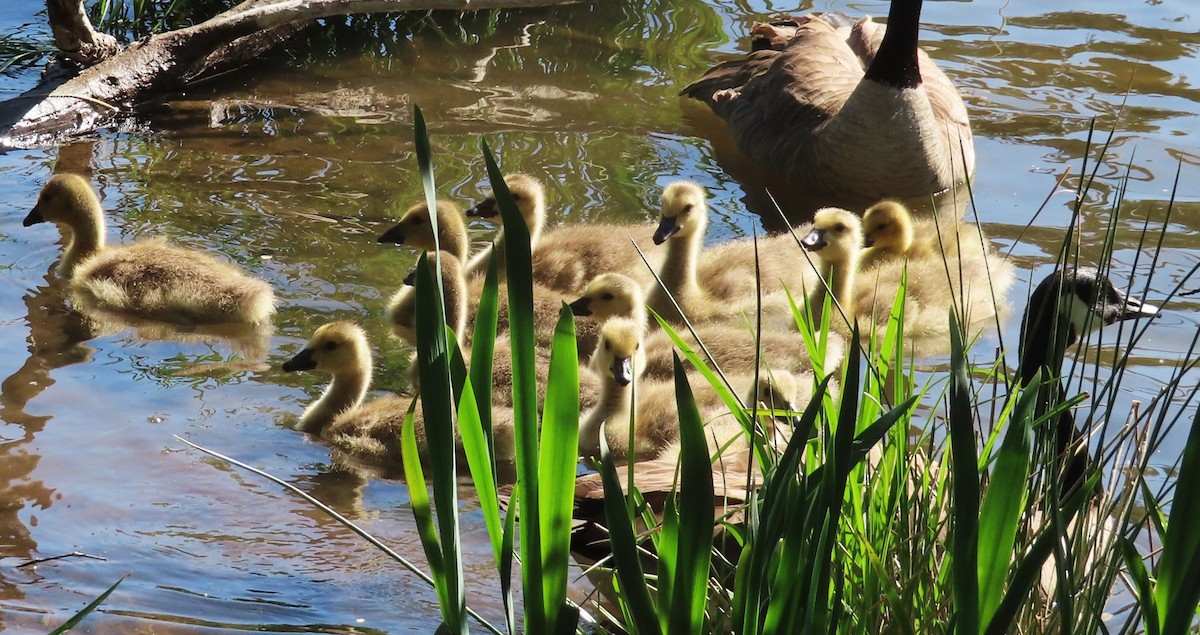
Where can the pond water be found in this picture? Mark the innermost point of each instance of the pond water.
(269, 169)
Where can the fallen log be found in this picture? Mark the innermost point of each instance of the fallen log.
(118, 82)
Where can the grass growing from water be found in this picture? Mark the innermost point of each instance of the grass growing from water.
(852, 526)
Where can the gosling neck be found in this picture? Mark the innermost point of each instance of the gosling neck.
(614, 407)
(87, 238)
(839, 276)
(345, 392)
(678, 275)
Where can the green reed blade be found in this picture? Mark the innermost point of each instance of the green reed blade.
(1004, 504)
(87, 610)
(558, 461)
(634, 594)
(694, 518)
(965, 474)
(519, 275)
(483, 349)
(1178, 589)
(418, 500)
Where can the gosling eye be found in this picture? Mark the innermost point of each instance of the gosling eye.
(839, 228)
(606, 296)
(330, 345)
(607, 346)
(686, 209)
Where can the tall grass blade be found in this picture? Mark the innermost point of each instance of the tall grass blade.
(483, 347)
(556, 470)
(418, 500)
(965, 495)
(519, 275)
(87, 610)
(636, 602)
(1178, 589)
(693, 517)
(1003, 505)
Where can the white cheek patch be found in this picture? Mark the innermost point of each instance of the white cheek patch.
(1083, 316)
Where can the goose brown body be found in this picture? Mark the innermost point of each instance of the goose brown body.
(833, 108)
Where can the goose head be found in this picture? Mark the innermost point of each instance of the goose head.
(66, 199)
(618, 354)
(888, 225)
(415, 229)
(836, 236)
(527, 193)
(1081, 300)
(337, 348)
(610, 295)
(684, 212)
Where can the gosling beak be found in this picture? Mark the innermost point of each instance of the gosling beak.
(33, 218)
(395, 235)
(867, 242)
(667, 227)
(484, 209)
(582, 307)
(814, 241)
(792, 418)
(411, 279)
(622, 370)
(302, 361)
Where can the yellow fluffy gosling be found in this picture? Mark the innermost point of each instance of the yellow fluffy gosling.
(148, 278)
(415, 229)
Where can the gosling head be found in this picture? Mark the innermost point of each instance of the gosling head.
(836, 235)
(416, 230)
(66, 199)
(527, 193)
(888, 224)
(619, 350)
(684, 212)
(778, 390)
(610, 295)
(335, 348)
(1084, 299)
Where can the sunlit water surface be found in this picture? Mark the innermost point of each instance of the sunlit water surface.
(271, 170)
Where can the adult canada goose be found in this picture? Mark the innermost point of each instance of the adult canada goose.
(968, 282)
(368, 431)
(415, 229)
(149, 278)
(834, 108)
(567, 257)
(722, 284)
(1065, 306)
(614, 295)
(890, 232)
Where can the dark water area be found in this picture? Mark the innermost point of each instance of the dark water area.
(292, 169)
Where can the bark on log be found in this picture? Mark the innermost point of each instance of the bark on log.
(167, 62)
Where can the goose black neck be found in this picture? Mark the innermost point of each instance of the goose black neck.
(895, 63)
(1045, 336)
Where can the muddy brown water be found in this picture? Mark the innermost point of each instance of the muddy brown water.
(293, 170)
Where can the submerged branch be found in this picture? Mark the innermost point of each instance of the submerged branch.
(165, 63)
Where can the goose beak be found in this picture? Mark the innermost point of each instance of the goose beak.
(1135, 308)
(622, 370)
(667, 227)
(582, 307)
(33, 218)
(484, 209)
(302, 361)
(814, 241)
(395, 235)
(411, 279)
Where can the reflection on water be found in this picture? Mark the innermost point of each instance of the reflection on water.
(293, 173)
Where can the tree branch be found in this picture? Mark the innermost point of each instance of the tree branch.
(165, 63)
